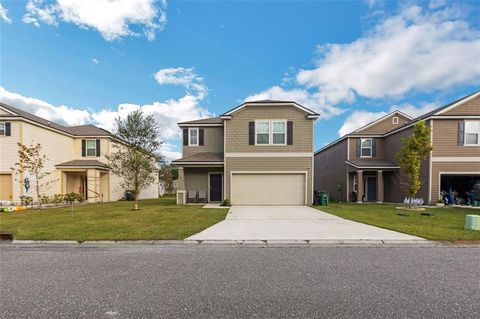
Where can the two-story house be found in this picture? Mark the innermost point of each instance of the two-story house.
(75, 158)
(362, 166)
(258, 153)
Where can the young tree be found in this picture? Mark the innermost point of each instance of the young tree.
(415, 148)
(135, 160)
(32, 162)
(168, 173)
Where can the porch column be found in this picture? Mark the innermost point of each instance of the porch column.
(379, 186)
(93, 185)
(359, 186)
(181, 191)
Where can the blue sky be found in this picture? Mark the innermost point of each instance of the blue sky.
(80, 62)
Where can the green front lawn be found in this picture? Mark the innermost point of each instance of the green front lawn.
(156, 219)
(446, 223)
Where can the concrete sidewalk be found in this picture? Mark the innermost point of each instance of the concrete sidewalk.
(293, 223)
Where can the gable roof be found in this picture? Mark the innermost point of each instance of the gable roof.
(381, 119)
(309, 112)
(436, 112)
(213, 121)
(79, 130)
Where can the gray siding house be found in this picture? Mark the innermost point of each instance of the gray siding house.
(362, 166)
(258, 153)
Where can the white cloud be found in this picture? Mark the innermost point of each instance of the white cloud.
(95, 61)
(113, 19)
(185, 77)
(361, 118)
(313, 101)
(414, 51)
(3, 14)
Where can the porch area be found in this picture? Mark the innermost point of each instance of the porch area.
(366, 180)
(88, 178)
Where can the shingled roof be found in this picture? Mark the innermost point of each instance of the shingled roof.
(210, 120)
(80, 130)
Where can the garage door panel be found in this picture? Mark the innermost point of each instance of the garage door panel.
(5, 186)
(268, 189)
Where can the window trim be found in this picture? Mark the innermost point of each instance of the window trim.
(465, 135)
(270, 132)
(190, 129)
(4, 129)
(87, 148)
(395, 120)
(371, 147)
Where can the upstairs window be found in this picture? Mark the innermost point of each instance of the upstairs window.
(366, 147)
(472, 132)
(91, 147)
(2, 129)
(193, 136)
(279, 132)
(262, 132)
(395, 120)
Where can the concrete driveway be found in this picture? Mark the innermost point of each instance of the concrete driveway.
(292, 223)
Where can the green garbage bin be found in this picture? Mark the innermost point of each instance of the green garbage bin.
(323, 198)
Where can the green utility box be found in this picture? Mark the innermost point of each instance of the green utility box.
(472, 222)
(323, 198)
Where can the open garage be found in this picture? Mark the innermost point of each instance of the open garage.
(459, 188)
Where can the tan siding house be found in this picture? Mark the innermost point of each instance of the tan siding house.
(75, 158)
(259, 153)
(453, 165)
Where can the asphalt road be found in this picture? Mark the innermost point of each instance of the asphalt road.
(239, 282)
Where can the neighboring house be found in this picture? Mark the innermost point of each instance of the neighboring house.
(362, 166)
(75, 158)
(162, 187)
(259, 153)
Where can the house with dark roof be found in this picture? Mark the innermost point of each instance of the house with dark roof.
(258, 153)
(75, 158)
(362, 166)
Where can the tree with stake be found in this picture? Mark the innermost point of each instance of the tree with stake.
(32, 162)
(415, 149)
(136, 159)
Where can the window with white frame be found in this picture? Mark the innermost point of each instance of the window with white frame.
(472, 132)
(395, 120)
(2, 129)
(279, 132)
(193, 136)
(366, 147)
(272, 132)
(262, 132)
(91, 147)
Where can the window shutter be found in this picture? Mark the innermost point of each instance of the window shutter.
(84, 148)
(357, 148)
(201, 133)
(185, 136)
(8, 129)
(461, 133)
(98, 148)
(251, 133)
(290, 133)
(374, 147)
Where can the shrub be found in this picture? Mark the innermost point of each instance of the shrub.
(226, 202)
(45, 199)
(57, 198)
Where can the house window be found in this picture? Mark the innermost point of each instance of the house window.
(472, 132)
(91, 146)
(2, 129)
(395, 120)
(279, 132)
(193, 136)
(273, 132)
(262, 132)
(366, 147)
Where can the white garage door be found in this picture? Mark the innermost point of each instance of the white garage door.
(268, 189)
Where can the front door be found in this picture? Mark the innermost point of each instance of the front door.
(371, 188)
(215, 187)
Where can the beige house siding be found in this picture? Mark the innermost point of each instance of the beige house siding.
(213, 142)
(9, 154)
(445, 140)
(330, 170)
(471, 107)
(269, 164)
(385, 125)
(237, 129)
(450, 167)
(196, 179)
